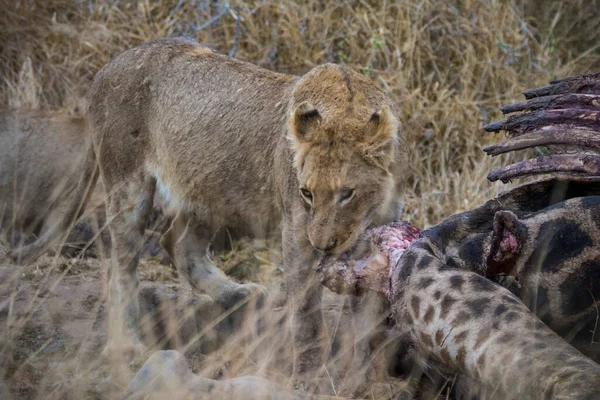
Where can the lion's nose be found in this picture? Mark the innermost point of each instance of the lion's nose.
(330, 245)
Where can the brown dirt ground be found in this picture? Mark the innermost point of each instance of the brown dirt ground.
(53, 320)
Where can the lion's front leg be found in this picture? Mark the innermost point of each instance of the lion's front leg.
(477, 328)
(304, 303)
(369, 312)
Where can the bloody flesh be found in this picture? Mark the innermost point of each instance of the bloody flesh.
(373, 272)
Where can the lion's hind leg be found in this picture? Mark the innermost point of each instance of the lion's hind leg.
(128, 210)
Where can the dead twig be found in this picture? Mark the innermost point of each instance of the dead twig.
(211, 21)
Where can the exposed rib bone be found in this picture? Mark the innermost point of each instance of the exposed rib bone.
(589, 84)
(549, 135)
(564, 163)
(593, 76)
(519, 124)
(581, 101)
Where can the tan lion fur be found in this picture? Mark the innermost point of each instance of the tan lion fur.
(41, 156)
(228, 144)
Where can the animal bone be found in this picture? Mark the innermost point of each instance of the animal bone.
(372, 273)
(564, 115)
(560, 163)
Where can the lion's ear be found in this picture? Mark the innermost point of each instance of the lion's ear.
(303, 117)
(380, 144)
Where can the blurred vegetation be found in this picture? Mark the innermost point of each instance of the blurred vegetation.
(448, 65)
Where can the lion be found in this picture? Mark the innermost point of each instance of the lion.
(41, 156)
(317, 158)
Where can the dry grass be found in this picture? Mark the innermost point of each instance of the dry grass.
(448, 66)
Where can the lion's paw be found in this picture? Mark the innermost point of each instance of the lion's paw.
(237, 296)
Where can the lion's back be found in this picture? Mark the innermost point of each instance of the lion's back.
(207, 126)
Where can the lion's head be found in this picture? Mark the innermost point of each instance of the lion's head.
(346, 140)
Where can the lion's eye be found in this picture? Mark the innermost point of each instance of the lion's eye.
(306, 194)
(346, 194)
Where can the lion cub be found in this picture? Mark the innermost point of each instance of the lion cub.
(41, 155)
(228, 144)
